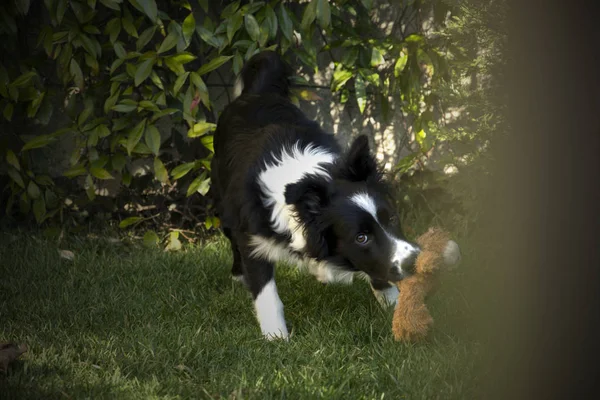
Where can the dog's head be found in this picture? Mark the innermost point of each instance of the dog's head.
(349, 218)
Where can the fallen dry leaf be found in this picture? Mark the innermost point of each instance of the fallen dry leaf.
(9, 352)
(66, 254)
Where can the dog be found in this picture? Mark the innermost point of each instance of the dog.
(285, 190)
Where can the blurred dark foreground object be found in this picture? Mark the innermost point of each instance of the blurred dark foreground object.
(544, 290)
(9, 352)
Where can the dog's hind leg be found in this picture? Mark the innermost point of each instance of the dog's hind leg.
(237, 269)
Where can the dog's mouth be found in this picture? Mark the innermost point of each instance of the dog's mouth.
(396, 276)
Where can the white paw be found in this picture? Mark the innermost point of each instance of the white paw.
(269, 312)
(277, 335)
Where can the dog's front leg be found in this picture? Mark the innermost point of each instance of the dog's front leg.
(385, 292)
(259, 276)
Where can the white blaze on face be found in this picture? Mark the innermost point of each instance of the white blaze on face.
(402, 249)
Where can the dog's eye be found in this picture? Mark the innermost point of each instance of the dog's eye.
(361, 238)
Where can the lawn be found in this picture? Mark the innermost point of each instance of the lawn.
(124, 322)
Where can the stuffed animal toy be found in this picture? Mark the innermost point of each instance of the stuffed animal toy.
(412, 320)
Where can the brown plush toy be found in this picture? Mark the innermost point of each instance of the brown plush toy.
(411, 316)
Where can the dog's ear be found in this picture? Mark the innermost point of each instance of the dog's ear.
(309, 196)
(359, 164)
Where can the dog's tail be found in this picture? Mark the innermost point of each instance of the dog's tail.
(265, 72)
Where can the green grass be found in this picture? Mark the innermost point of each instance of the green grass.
(125, 322)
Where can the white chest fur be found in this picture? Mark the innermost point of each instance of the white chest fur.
(291, 166)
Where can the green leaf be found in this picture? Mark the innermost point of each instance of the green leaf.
(163, 113)
(367, 4)
(204, 5)
(287, 27)
(181, 170)
(152, 137)
(149, 7)
(74, 171)
(376, 57)
(196, 184)
(16, 177)
(200, 185)
(113, 28)
(111, 101)
(182, 58)
(77, 74)
(33, 191)
(102, 131)
(156, 80)
(414, 38)
(149, 105)
(39, 209)
(61, 8)
(271, 20)
(38, 141)
(340, 77)
(145, 37)
(143, 71)
(119, 50)
(92, 30)
(207, 36)
(234, 24)
(22, 6)
(323, 13)
(230, 9)
(238, 63)
(129, 221)
(151, 239)
(8, 111)
(401, 63)
(207, 141)
(135, 135)
(12, 159)
(125, 108)
(174, 66)
(127, 23)
(188, 27)
(310, 13)
(252, 27)
(406, 162)
(113, 4)
(200, 129)
(88, 45)
(118, 162)
(44, 180)
(169, 42)
(179, 82)
(361, 93)
(35, 104)
(198, 82)
(160, 172)
(213, 64)
(24, 79)
(174, 243)
(100, 173)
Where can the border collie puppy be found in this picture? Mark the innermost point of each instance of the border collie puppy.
(286, 191)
